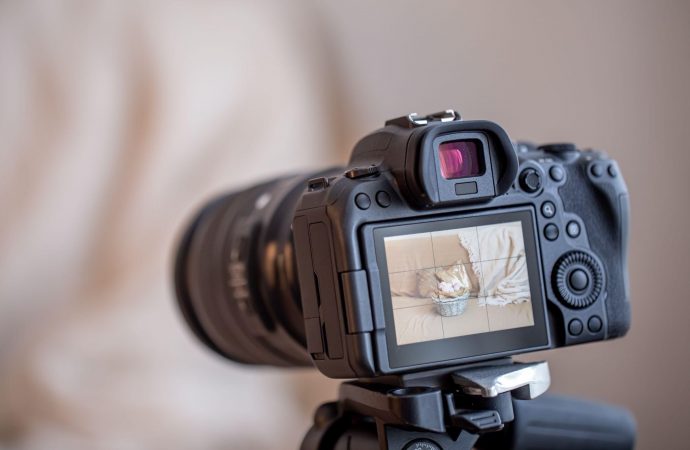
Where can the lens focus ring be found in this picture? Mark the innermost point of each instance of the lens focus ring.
(234, 276)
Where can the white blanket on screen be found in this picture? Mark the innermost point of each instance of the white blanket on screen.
(503, 267)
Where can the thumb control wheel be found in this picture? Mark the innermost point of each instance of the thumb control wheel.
(578, 279)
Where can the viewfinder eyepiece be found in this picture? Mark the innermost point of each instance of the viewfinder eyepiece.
(461, 159)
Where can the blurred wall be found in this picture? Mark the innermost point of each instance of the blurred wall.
(116, 120)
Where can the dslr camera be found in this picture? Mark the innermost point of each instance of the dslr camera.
(439, 244)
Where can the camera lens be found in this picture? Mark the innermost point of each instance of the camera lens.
(235, 276)
(461, 159)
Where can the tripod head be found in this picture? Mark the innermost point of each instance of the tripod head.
(487, 405)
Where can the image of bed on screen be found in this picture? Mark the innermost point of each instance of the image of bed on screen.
(458, 282)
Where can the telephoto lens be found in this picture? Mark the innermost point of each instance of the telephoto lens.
(235, 276)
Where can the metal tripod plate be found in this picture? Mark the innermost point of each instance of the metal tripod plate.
(525, 380)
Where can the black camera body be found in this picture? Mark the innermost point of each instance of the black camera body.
(442, 243)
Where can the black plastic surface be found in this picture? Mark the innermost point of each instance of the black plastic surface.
(555, 422)
(322, 262)
(357, 302)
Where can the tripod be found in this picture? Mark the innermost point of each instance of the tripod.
(487, 405)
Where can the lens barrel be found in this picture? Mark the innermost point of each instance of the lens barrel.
(235, 276)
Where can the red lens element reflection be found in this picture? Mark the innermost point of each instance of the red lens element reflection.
(460, 159)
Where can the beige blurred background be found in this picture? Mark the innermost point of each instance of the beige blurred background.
(118, 119)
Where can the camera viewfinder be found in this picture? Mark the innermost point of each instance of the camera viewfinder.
(461, 159)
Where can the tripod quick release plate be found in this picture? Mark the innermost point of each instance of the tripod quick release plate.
(526, 381)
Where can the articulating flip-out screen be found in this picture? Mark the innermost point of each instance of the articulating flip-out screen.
(458, 282)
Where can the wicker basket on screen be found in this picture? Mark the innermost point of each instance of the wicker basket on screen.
(451, 306)
(452, 291)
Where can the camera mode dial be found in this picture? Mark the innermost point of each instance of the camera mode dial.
(578, 279)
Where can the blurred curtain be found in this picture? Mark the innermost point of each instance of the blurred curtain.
(116, 120)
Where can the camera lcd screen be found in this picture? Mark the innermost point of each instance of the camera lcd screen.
(461, 288)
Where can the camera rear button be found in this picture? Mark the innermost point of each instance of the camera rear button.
(573, 229)
(548, 209)
(362, 201)
(551, 232)
(613, 172)
(594, 324)
(578, 280)
(597, 170)
(383, 199)
(575, 327)
(557, 173)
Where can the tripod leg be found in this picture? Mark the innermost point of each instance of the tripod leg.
(332, 431)
(562, 423)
